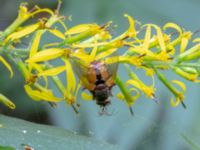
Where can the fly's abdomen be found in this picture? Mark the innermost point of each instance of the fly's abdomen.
(101, 93)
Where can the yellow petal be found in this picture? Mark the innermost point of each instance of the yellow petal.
(184, 43)
(80, 28)
(147, 90)
(134, 83)
(54, 44)
(133, 98)
(7, 65)
(23, 32)
(52, 72)
(38, 67)
(93, 52)
(46, 54)
(42, 10)
(173, 26)
(35, 43)
(86, 96)
(150, 72)
(181, 84)
(88, 45)
(57, 33)
(71, 80)
(25, 14)
(84, 58)
(77, 90)
(105, 54)
(7, 102)
(160, 38)
(120, 96)
(147, 38)
(23, 11)
(175, 103)
(137, 93)
(42, 94)
(196, 40)
(186, 75)
(34, 46)
(131, 31)
(111, 60)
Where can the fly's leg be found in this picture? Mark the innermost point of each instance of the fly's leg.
(104, 111)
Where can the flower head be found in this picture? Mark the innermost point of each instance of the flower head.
(148, 47)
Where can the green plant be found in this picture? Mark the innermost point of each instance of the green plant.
(148, 47)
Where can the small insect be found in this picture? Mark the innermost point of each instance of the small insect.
(98, 77)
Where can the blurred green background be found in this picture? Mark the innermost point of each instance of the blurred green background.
(153, 127)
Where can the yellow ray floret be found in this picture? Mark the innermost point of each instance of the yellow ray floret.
(81, 28)
(23, 32)
(52, 72)
(46, 54)
(41, 94)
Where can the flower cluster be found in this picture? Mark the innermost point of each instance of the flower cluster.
(148, 47)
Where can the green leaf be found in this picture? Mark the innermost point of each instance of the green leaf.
(6, 148)
(16, 133)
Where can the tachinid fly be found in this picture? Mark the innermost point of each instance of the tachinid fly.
(98, 77)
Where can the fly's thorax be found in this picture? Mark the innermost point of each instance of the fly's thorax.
(98, 67)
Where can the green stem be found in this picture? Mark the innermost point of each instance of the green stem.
(170, 65)
(58, 83)
(189, 54)
(17, 22)
(125, 92)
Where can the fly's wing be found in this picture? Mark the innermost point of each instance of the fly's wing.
(83, 72)
(111, 65)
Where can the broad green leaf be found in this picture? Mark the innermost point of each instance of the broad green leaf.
(17, 133)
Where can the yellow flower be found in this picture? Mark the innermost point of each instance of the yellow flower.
(52, 72)
(24, 15)
(136, 82)
(126, 94)
(72, 87)
(129, 101)
(131, 32)
(178, 95)
(149, 48)
(57, 33)
(24, 31)
(41, 93)
(132, 60)
(183, 37)
(82, 28)
(47, 54)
